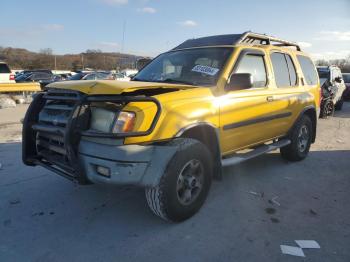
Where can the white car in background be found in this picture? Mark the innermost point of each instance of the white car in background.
(6, 75)
(129, 72)
(121, 77)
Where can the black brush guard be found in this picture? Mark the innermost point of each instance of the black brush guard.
(54, 144)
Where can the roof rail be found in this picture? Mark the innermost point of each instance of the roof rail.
(253, 38)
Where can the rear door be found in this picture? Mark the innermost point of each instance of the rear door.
(288, 91)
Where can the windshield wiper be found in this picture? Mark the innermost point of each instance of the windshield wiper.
(137, 79)
(170, 80)
(167, 80)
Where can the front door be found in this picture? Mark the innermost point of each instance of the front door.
(244, 113)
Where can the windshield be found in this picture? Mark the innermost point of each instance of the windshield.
(200, 66)
(323, 73)
(346, 78)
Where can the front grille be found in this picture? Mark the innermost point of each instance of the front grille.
(51, 128)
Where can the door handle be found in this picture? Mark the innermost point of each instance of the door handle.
(269, 98)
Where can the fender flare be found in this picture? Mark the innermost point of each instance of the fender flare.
(197, 124)
(302, 113)
(214, 148)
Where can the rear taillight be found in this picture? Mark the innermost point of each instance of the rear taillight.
(12, 77)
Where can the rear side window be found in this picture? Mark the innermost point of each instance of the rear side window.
(4, 69)
(308, 68)
(283, 67)
(254, 65)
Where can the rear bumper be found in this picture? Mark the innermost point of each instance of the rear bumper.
(127, 164)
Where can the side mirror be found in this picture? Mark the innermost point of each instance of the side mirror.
(239, 81)
(338, 79)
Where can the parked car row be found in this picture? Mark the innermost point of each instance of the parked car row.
(45, 76)
(335, 85)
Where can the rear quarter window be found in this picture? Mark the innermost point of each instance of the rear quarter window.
(308, 69)
(281, 70)
(4, 69)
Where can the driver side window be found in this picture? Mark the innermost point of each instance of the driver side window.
(254, 65)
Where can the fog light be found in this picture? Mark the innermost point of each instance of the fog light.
(103, 171)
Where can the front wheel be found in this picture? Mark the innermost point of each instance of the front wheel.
(185, 184)
(300, 137)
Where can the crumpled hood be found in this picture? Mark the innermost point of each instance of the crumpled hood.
(112, 86)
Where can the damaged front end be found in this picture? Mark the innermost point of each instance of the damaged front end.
(57, 135)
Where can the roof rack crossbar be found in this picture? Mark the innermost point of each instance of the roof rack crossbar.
(250, 37)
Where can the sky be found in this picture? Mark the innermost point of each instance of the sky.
(322, 27)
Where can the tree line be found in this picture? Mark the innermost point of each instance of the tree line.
(19, 58)
(343, 64)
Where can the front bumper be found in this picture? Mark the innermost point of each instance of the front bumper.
(56, 136)
(127, 164)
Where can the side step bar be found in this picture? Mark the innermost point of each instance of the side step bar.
(238, 158)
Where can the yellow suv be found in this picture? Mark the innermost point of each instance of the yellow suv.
(209, 102)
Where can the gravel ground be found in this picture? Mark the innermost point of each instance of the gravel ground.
(259, 205)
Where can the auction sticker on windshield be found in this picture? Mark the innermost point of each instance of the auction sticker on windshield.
(205, 70)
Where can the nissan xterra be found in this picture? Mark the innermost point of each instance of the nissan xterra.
(208, 103)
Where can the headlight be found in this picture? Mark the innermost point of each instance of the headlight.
(125, 122)
(108, 121)
(102, 120)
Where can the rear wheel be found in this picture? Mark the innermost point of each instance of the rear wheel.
(185, 184)
(300, 137)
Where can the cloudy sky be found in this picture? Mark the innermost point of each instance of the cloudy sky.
(152, 26)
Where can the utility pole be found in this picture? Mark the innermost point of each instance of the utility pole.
(82, 61)
(55, 63)
(124, 25)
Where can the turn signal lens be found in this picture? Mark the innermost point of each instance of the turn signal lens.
(125, 122)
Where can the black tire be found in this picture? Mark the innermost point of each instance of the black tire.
(327, 108)
(164, 199)
(294, 151)
(339, 105)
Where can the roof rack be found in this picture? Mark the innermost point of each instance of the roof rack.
(234, 39)
(262, 39)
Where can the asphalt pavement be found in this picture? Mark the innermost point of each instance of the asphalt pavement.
(260, 205)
